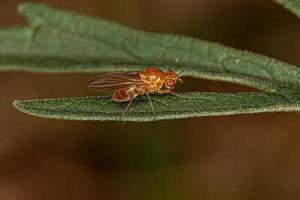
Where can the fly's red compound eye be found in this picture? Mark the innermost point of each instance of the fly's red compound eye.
(171, 83)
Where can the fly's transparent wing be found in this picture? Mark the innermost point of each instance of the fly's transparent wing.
(115, 81)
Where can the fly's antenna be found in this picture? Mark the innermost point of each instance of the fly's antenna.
(179, 76)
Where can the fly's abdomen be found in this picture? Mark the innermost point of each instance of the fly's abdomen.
(124, 94)
(121, 95)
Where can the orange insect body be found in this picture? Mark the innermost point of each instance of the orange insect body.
(127, 86)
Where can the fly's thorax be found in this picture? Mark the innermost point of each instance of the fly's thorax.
(154, 79)
(140, 89)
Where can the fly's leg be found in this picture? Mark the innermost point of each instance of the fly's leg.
(159, 102)
(127, 107)
(151, 104)
(125, 111)
(167, 92)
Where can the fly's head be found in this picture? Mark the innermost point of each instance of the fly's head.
(171, 79)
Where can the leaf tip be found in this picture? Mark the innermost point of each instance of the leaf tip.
(23, 107)
(19, 106)
(22, 8)
(29, 8)
(16, 104)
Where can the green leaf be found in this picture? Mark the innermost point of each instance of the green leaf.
(60, 41)
(291, 5)
(166, 107)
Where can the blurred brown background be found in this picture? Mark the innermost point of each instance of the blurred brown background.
(237, 157)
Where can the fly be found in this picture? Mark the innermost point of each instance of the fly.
(128, 85)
